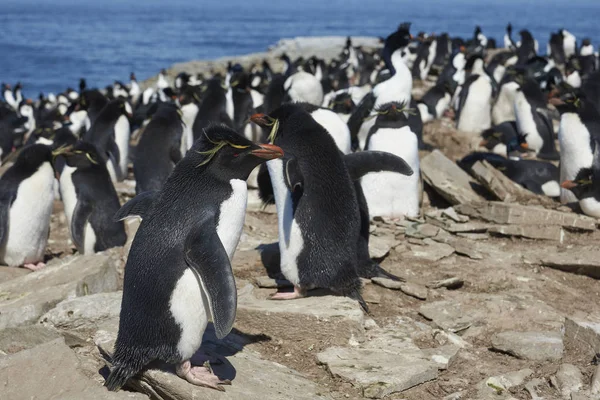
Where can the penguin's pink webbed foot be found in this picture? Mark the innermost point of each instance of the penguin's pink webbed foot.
(296, 294)
(35, 267)
(200, 376)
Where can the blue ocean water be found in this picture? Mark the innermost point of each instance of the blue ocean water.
(49, 44)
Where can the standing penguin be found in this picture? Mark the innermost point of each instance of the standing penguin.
(586, 186)
(317, 206)
(213, 109)
(178, 274)
(159, 149)
(578, 132)
(390, 194)
(110, 134)
(26, 198)
(475, 101)
(90, 201)
(533, 121)
(434, 102)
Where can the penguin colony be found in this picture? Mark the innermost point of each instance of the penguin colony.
(332, 144)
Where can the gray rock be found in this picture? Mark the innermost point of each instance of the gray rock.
(450, 283)
(270, 283)
(482, 313)
(443, 355)
(252, 377)
(8, 273)
(380, 246)
(516, 214)
(421, 231)
(454, 216)
(316, 316)
(376, 372)
(84, 312)
(542, 232)
(51, 371)
(532, 386)
(577, 262)
(584, 330)
(409, 288)
(595, 383)
(23, 300)
(446, 178)
(569, 379)
(537, 346)
(496, 387)
(432, 251)
(13, 340)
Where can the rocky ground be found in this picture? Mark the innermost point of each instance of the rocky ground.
(500, 301)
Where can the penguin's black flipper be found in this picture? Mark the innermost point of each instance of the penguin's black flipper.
(114, 155)
(136, 207)
(81, 214)
(358, 116)
(6, 199)
(360, 164)
(293, 176)
(205, 253)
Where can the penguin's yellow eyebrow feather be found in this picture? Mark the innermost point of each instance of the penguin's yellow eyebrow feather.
(273, 132)
(218, 146)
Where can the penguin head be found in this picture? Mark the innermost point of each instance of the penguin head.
(124, 107)
(342, 103)
(5, 86)
(82, 155)
(570, 101)
(509, 28)
(477, 30)
(582, 185)
(32, 156)
(132, 77)
(228, 154)
(26, 108)
(392, 112)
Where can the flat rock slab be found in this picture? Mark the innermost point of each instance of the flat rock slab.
(448, 179)
(84, 312)
(536, 346)
(541, 232)
(380, 246)
(50, 371)
(23, 300)
(319, 317)
(577, 262)
(432, 251)
(13, 340)
(252, 377)
(496, 387)
(9, 273)
(587, 331)
(475, 313)
(516, 214)
(409, 288)
(376, 372)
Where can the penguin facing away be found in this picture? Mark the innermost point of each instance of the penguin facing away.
(391, 194)
(26, 198)
(178, 274)
(90, 200)
(318, 212)
(158, 151)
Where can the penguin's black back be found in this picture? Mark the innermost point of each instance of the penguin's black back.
(94, 102)
(275, 93)
(159, 149)
(213, 109)
(327, 212)
(94, 186)
(101, 133)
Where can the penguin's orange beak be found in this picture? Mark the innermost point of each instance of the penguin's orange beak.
(268, 152)
(262, 120)
(568, 185)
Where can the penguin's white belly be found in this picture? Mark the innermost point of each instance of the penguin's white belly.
(232, 215)
(575, 151)
(336, 128)
(504, 108)
(424, 111)
(258, 98)
(363, 132)
(476, 113)
(189, 111)
(305, 87)
(67, 192)
(122, 135)
(229, 108)
(391, 194)
(551, 189)
(89, 241)
(526, 124)
(290, 237)
(590, 206)
(29, 219)
(188, 307)
(442, 105)
(574, 80)
(499, 73)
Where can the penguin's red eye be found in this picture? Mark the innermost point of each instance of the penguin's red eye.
(235, 154)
